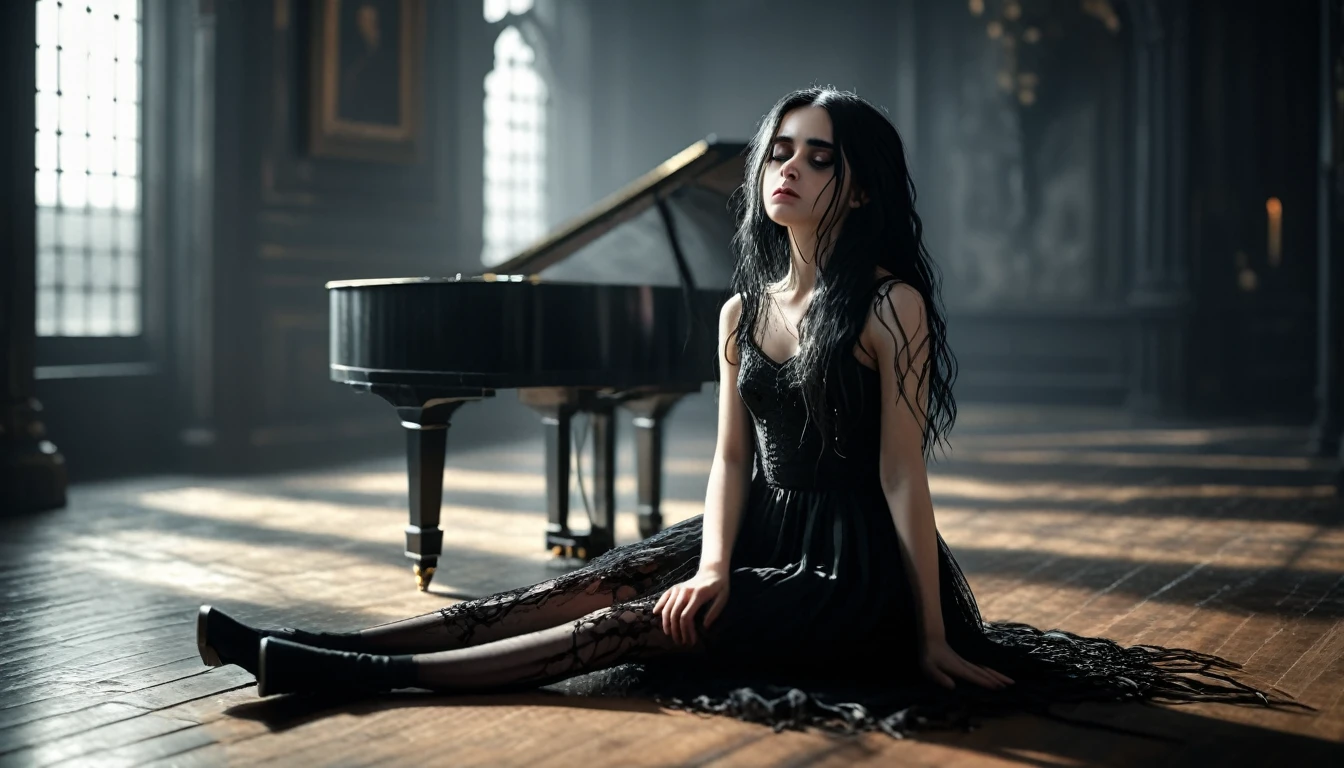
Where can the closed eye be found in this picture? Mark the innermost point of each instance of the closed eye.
(818, 160)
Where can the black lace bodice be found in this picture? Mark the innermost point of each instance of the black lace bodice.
(793, 453)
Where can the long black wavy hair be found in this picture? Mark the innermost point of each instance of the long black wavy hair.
(884, 232)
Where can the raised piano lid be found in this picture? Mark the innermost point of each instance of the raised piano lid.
(625, 239)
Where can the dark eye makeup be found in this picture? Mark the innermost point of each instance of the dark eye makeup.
(783, 150)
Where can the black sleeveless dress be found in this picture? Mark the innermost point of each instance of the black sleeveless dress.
(820, 627)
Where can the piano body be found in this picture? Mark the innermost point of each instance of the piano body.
(617, 309)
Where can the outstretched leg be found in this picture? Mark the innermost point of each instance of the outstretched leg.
(596, 641)
(499, 616)
(602, 639)
(621, 575)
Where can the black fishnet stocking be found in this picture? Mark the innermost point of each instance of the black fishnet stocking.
(599, 640)
(622, 575)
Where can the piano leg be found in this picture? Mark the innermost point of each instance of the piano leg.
(557, 406)
(425, 413)
(602, 534)
(649, 457)
(556, 420)
(425, 446)
(648, 421)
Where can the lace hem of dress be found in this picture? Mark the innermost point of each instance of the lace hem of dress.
(606, 658)
(1067, 669)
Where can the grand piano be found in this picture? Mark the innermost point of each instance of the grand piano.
(615, 310)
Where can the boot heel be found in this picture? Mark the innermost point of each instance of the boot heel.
(208, 654)
(262, 689)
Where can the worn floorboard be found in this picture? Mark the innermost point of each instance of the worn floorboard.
(1223, 539)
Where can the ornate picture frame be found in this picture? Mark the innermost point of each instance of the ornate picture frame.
(366, 79)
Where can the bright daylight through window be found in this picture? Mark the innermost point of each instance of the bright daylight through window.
(88, 168)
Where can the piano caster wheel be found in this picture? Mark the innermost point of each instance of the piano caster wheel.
(557, 550)
(582, 553)
(423, 576)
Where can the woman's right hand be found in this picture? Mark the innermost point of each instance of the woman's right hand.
(679, 604)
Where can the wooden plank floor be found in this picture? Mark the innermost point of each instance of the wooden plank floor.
(1219, 539)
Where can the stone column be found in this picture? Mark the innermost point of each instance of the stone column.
(32, 471)
(1159, 295)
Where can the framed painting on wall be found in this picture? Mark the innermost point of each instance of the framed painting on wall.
(367, 70)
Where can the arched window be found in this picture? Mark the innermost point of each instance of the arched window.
(88, 168)
(515, 146)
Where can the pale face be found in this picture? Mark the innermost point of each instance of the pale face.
(799, 178)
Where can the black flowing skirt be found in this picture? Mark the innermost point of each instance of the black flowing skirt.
(821, 629)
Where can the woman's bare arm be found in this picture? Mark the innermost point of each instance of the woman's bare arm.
(729, 475)
(897, 332)
(725, 497)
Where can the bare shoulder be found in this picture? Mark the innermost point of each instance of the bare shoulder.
(728, 317)
(896, 317)
(730, 312)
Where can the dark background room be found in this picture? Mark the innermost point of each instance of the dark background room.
(1135, 205)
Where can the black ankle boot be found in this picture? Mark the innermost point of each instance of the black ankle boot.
(221, 639)
(286, 667)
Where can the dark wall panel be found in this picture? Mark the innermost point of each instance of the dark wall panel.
(286, 218)
(1256, 127)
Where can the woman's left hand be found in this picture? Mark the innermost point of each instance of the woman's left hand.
(942, 664)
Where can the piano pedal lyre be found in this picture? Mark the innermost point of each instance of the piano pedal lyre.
(572, 549)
